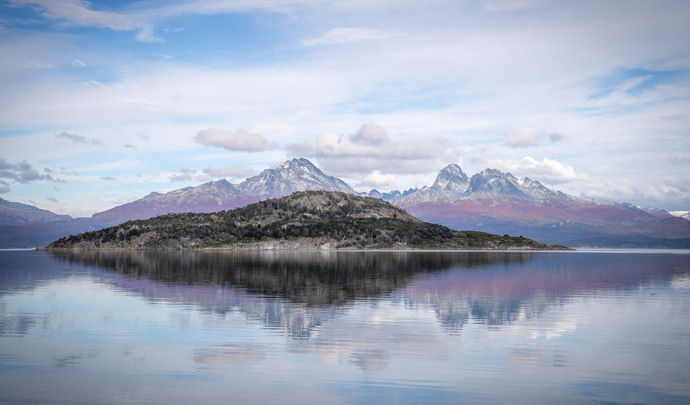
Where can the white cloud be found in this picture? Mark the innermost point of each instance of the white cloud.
(371, 149)
(548, 171)
(620, 190)
(240, 140)
(345, 35)
(371, 133)
(235, 172)
(331, 145)
(378, 180)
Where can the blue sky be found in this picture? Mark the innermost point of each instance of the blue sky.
(103, 102)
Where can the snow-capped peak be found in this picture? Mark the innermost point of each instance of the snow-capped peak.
(293, 175)
(452, 178)
(450, 184)
(495, 183)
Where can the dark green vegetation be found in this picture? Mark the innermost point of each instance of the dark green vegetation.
(303, 220)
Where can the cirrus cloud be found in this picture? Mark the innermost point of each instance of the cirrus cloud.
(81, 13)
(344, 35)
(77, 138)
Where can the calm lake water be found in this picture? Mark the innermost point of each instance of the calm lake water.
(345, 327)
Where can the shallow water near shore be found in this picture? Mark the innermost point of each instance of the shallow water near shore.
(344, 327)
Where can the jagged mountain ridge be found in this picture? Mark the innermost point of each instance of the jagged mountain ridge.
(499, 202)
(491, 201)
(450, 184)
(14, 213)
(303, 220)
(293, 175)
(453, 184)
(208, 197)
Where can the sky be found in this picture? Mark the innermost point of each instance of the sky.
(103, 102)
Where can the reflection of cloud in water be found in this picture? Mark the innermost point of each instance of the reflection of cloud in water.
(498, 295)
(295, 319)
(372, 333)
(387, 305)
(297, 291)
(18, 324)
(526, 356)
(681, 281)
(231, 354)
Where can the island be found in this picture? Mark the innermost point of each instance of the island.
(303, 220)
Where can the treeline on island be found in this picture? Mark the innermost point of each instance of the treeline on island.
(303, 220)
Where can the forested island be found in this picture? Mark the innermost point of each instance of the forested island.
(303, 220)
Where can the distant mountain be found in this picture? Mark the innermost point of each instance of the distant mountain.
(451, 184)
(490, 201)
(657, 212)
(208, 197)
(499, 202)
(293, 175)
(14, 213)
(391, 196)
(303, 220)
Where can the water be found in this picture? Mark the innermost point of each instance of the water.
(345, 327)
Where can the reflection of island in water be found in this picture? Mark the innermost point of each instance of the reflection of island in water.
(298, 291)
(314, 278)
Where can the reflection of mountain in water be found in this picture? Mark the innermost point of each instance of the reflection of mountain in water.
(291, 291)
(297, 291)
(312, 278)
(495, 295)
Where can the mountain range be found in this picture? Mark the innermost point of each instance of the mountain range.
(302, 220)
(489, 201)
(498, 202)
(14, 213)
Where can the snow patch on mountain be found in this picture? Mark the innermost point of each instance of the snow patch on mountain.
(294, 175)
(681, 214)
(657, 212)
(451, 184)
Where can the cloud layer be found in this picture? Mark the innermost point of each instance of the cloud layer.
(572, 95)
(371, 150)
